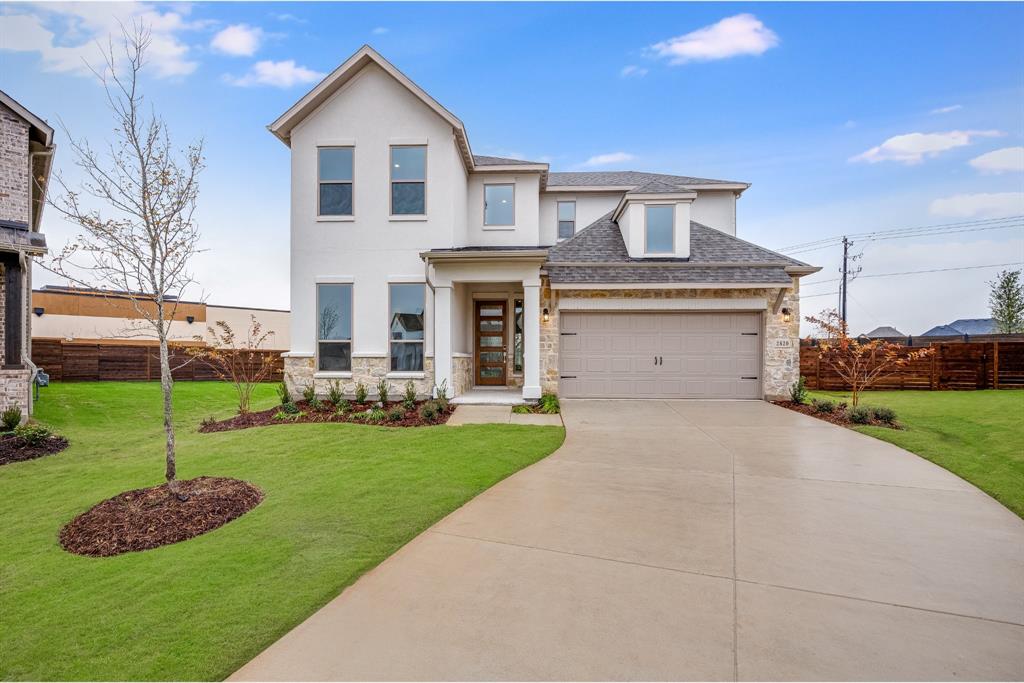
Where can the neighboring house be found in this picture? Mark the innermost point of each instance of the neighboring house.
(26, 155)
(414, 259)
(883, 331)
(962, 327)
(78, 314)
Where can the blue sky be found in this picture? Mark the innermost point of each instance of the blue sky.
(845, 117)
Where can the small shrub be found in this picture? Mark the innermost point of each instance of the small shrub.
(429, 411)
(283, 394)
(375, 415)
(823, 405)
(798, 392)
(208, 421)
(290, 408)
(409, 398)
(309, 393)
(441, 390)
(383, 390)
(396, 414)
(334, 393)
(842, 406)
(361, 393)
(10, 418)
(33, 434)
(883, 414)
(342, 407)
(549, 404)
(860, 415)
(282, 416)
(522, 409)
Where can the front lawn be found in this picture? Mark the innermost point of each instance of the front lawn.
(977, 435)
(339, 498)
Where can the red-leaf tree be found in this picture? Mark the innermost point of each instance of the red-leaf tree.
(860, 363)
(240, 362)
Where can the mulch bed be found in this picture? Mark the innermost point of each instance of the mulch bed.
(325, 413)
(836, 417)
(149, 518)
(16, 449)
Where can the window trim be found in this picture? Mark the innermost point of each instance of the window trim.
(336, 216)
(559, 221)
(351, 335)
(484, 206)
(423, 341)
(672, 249)
(391, 184)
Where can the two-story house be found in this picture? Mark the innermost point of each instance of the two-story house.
(26, 155)
(413, 258)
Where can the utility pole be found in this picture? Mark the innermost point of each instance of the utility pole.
(842, 286)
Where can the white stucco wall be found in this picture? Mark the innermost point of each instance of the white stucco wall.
(715, 209)
(589, 207)
(371, 112)
(527, 196)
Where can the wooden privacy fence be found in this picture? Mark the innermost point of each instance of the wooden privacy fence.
(954, 365)
(114, 361)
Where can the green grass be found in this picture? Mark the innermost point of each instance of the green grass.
(977, 435)
(339, 499)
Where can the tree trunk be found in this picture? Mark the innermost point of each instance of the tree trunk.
(167, 387)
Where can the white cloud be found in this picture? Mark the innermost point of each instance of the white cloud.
(83, 25)
(283, 74)
(742, 34)
(286, 16)
(980, 205)
(607, 159)
(913, 148)
(633, 71)
(380, 30)
(238, 40)
(1006, 160)
(946, 110)
(850, 124)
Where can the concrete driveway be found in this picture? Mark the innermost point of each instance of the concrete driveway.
(690, 540)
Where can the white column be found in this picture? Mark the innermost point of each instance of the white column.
(531, 339)
(443, 337)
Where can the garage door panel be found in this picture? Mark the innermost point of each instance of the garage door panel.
(700, 355)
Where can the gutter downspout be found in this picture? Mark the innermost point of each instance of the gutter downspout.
(26, 265)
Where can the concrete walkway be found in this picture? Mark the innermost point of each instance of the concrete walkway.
(484, 414)
(690, 540)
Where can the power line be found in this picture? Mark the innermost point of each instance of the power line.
(909, 272)
(916, 234)
(924, 229)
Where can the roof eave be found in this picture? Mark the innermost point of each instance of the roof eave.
(800, 271)
(466, 256)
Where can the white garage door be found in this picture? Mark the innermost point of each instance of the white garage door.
(660, 355)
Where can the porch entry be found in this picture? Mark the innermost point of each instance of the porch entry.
(490, 323)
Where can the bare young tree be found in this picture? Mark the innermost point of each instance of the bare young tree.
(240, 361)
(142, 239)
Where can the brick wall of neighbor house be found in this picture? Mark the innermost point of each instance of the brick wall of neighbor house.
(298, 374)
(781, 363)
(14, 181)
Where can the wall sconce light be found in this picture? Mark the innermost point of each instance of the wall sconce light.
(38, 310)
(190, 319)
(787, 315)
(546, 317)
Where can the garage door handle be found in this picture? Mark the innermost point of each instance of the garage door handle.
(567, 377)
(749, 334)
(748, 377)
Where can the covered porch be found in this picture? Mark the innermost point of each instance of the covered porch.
(487, 317)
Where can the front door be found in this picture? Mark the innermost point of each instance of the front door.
(489, 324)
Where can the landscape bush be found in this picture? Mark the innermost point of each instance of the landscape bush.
(409, 399)
(823, 405)
(361, 393)
(860, 415)
(522, 409)
(429, 411)
(10, 418)
(798, 392)
(396, 414)
(33, 434)
(383, 390)
(334, 393)
(283, 394)
(883, 414)
(549, 404)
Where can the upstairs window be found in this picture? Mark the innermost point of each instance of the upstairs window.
(405, 331)
(409, 180)
(499, 204)
(334, 174)
(566, 220)
(658, 238)
(334, 328)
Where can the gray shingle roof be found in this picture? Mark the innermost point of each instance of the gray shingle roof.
(657, 187)
(481, 160)
(884, 331)
(625, 179)
(598, 254)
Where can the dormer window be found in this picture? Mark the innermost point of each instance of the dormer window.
(500, 204)
(566, 220)
(334, 173)
(659, 229)
(409, 180)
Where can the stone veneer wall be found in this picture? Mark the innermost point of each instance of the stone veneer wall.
(781, 363)
(462, 375)
(298, 374)
(14, 179)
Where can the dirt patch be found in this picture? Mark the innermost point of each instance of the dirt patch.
(836, 417)
(13, 448)
(326, 412)
(152, 517)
